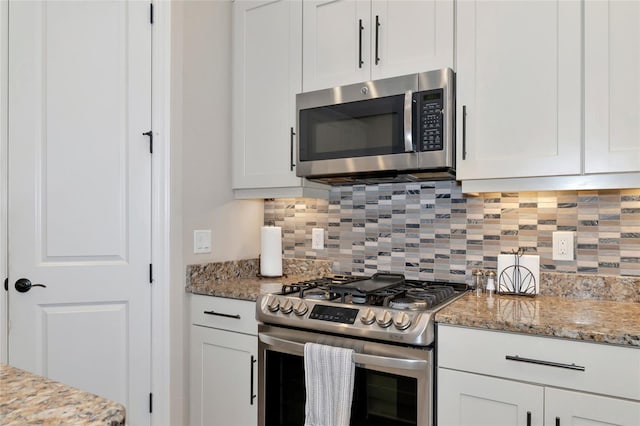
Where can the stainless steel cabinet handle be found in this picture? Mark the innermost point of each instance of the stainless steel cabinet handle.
(464, 132)
(218, 314)
(546, 363)
(291, 163)
(377, 30)
(360, 28)
(252, 396)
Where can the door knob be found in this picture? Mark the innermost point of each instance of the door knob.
(23, 285)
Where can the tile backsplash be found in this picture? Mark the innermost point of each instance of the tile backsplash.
(430, 230)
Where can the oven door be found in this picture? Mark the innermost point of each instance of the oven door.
(392, 386)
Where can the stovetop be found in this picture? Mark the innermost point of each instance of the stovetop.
(384, 307)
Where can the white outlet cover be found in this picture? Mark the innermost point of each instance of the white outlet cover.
(317, 238)
(202, 241)
(563, 245)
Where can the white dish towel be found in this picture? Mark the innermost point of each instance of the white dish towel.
(328, 373)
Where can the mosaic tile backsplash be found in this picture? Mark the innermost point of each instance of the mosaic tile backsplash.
(430, 230)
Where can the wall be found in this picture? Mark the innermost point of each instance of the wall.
(201, 196)
(431, 230)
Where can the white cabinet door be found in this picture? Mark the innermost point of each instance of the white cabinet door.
(466, 399)
(267, 74)
(336, 41)
(223, 378)
(519, 81)
(411, 36)
(566, 408)
(612, 86)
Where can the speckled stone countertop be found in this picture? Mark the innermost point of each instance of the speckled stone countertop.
(29, 399)
(239, 280)
(590, 320)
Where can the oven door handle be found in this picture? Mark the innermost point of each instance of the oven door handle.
(358, 358)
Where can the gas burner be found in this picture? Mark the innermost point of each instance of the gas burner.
(409, 303)
(316, 294)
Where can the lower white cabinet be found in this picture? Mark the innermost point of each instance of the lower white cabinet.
(223, 369)
(466, 399)
(565, 408)
(517, 380)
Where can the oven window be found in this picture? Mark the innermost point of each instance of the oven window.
(354, 129)
(379, 399)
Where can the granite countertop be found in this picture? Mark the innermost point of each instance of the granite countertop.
(244, 288)
(239, 279)
(27, 398)
(589, 320)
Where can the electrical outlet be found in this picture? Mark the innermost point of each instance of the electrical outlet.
(563, 245)
(202, 241)
(317, 239)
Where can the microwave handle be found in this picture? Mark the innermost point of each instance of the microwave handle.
(408, 115)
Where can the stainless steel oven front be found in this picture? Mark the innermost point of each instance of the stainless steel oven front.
(392, 386)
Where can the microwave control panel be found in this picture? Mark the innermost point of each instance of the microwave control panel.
(430, 119)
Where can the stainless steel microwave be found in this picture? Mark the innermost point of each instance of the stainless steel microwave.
(395, 129)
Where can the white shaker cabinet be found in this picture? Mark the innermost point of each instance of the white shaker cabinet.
(512, 379)
(474, 400)
(612, 86)
(519, 88)
(267, 74)
(567, 408)
(349, 41)
(224, 350)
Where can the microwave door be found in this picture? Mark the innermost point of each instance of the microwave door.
(362, 136)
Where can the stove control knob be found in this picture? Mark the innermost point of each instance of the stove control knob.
(300, 308)
(286, 307)
(402, 321)
(273, 305)
(384, 320)
(369, 317)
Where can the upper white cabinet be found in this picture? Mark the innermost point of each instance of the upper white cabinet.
(348, 41)
(612, 86)
(518, 88)
(267, 74)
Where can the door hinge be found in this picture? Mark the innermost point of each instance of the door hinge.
(151, 403)
(150, 273)
(150, 134)
(6, 284)
(151, 13)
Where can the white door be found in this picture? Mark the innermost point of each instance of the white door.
(336, 43)
(267, 75)
(612, 86)
(519, 82)
(466, 399)
(79, 195)
(410, 36)
(223, 378)
(580, 409)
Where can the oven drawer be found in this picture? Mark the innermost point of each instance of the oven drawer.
(225, 314)
(591, 367)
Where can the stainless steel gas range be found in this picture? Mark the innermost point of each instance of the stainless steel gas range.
(388, 321)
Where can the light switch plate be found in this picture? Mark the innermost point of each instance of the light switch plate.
(202, 241)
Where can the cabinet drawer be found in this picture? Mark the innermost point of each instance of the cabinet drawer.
(226, 314)
(592, 367)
